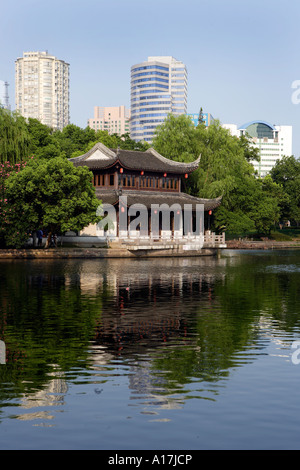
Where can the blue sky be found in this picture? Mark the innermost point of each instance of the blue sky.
(242, 57)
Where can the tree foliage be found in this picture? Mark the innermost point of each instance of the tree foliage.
(6, 170)
(286, 173)
(14, 137)
(248, 203)
(40, 195)
(49, 194)
(21, 138)
(73, 141)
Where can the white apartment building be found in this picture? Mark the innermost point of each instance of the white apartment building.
(114, 120)
(42, 88)
(273, 142)
(158, 88)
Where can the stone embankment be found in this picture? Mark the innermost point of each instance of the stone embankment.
(266, 244)
(89, 253)
(118, 252)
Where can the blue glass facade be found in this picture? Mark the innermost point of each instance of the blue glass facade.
(158, 87)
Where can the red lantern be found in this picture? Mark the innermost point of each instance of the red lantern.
(121, 170)
(165, 174)
(142, 172)
(186, 176)
(210, 212)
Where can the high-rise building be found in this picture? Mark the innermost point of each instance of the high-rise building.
(114, 120)
(273, 142)
(158, 88)
(42, 88)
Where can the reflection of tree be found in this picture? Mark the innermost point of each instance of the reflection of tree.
(46, 322)
(252, 297)
(171, 321)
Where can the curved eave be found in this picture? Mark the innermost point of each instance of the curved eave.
(183, 167)
(102, 165)
(147, 198)
(148, 161)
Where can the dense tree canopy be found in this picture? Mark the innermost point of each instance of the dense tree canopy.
(248, 203)
(49, 194)
(21, 138)
(47, 191)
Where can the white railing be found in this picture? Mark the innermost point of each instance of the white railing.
(210, 239)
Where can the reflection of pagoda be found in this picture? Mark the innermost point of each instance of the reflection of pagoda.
(125, 179)
(146, 308)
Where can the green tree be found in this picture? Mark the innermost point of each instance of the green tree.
(72, 139)
(50, 194)
(201, 117)
(126, 143)
(44, 142)
(286, 173)
(6, 169)
(176, 138)
(14, 137)
(225, 170)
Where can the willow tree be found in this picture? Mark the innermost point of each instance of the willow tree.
(14, 137)
(248, 205)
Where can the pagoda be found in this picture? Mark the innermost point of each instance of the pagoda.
(125, 179)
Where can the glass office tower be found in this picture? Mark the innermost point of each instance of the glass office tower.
(158, 87)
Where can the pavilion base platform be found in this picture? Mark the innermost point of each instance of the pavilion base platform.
(209, 244)
(99, 247)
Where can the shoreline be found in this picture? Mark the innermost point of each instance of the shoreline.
(261, 244)
(104, 253)
(99, 253)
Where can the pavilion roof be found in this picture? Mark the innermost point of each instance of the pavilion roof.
(100, 157)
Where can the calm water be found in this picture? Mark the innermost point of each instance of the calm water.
(151, 354)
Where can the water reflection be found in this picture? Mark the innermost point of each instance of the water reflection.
(51, 395)
(174, 329)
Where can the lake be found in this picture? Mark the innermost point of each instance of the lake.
(184, 353)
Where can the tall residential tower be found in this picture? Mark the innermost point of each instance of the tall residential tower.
(158, 88)
(42, 88)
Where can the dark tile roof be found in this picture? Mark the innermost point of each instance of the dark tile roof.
(151, 197)
(149, 160)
